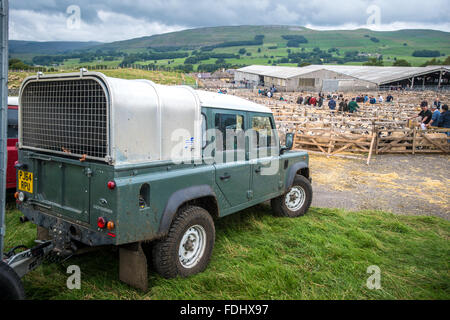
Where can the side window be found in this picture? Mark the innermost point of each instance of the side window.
(231, 126)
(13, 123)
(263, 129)
(204, 128)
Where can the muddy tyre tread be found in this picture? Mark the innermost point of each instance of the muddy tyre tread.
(279, 208)
(165, 251)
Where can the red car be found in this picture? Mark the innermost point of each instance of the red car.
(13, 133)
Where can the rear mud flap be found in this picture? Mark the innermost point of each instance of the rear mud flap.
(133, 266)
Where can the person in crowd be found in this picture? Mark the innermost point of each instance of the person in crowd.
(313, 101)
(380, 99)
(300, 100)
(437, 103)
(389, 98)
(424, 103)
(366, 98)
(320, 101)
(373, 100)
(444, 118)
(425, 116)
(343, 106)
(434, 117)
(307, 100)
(332, 104)
(353, 106)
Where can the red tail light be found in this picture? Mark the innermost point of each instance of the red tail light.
(111, 185)
(101, 222)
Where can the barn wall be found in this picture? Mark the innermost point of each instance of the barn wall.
(241, 76)
(356, 85)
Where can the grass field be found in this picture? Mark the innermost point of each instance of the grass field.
(324, 255)
(399, 44)
(160, 77)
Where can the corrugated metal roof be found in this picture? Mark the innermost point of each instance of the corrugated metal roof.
(275, 71)
(378, 75)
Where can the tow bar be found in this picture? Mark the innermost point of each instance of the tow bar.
(26, 261)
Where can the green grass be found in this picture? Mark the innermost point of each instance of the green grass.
(323, 255)
(160, 77)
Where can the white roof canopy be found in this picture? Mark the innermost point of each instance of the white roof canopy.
(377, 75)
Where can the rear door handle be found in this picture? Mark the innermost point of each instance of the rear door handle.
(225, 177)
(258, 170)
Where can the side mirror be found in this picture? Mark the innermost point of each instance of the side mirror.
(289, 143)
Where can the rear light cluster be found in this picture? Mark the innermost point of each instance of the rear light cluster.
(102, 223)
(111, 185)
(19, 196)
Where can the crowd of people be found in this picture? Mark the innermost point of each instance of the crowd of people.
(437, 115)
(341, 104)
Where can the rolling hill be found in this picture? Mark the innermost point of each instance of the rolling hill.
(345, 39)
(274, 49)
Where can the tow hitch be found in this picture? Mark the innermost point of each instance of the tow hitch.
(14, 266)
(26, 261)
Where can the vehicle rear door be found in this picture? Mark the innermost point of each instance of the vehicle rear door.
(59, 185)
(232, 167)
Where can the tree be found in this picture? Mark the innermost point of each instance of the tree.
(242, 51)
(401, 63)
(427, 53)
(18, 64)
(374, 62)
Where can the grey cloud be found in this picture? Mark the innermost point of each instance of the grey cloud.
(203, 13)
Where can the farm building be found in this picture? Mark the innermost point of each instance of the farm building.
(343, 78)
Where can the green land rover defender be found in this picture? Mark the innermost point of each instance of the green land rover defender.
(113, 162)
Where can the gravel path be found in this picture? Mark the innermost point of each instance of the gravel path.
(402, 184)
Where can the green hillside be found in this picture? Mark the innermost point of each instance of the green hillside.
(263, 45)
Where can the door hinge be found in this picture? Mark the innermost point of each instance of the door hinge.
(250, 194)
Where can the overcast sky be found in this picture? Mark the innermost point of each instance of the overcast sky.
(111, 20)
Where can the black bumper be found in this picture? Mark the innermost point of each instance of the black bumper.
(66, 228)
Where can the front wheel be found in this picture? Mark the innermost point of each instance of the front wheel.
(296, 201)
(188, 247)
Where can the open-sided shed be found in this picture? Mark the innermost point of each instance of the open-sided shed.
(343, 77)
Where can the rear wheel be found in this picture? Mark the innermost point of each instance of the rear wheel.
(188, 247)
(296, 201)
(11, 287)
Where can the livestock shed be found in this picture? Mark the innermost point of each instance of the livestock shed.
(343, 78)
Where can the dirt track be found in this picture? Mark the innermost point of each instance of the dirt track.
(402, 184)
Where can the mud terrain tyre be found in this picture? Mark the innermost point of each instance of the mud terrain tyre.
(187, 248)
(11, 287)
(296, 201)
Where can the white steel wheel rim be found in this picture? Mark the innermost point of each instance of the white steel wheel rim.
(295, 198)
(192, 246)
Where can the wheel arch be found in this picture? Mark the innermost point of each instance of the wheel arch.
(300, 168)
(201, 196)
